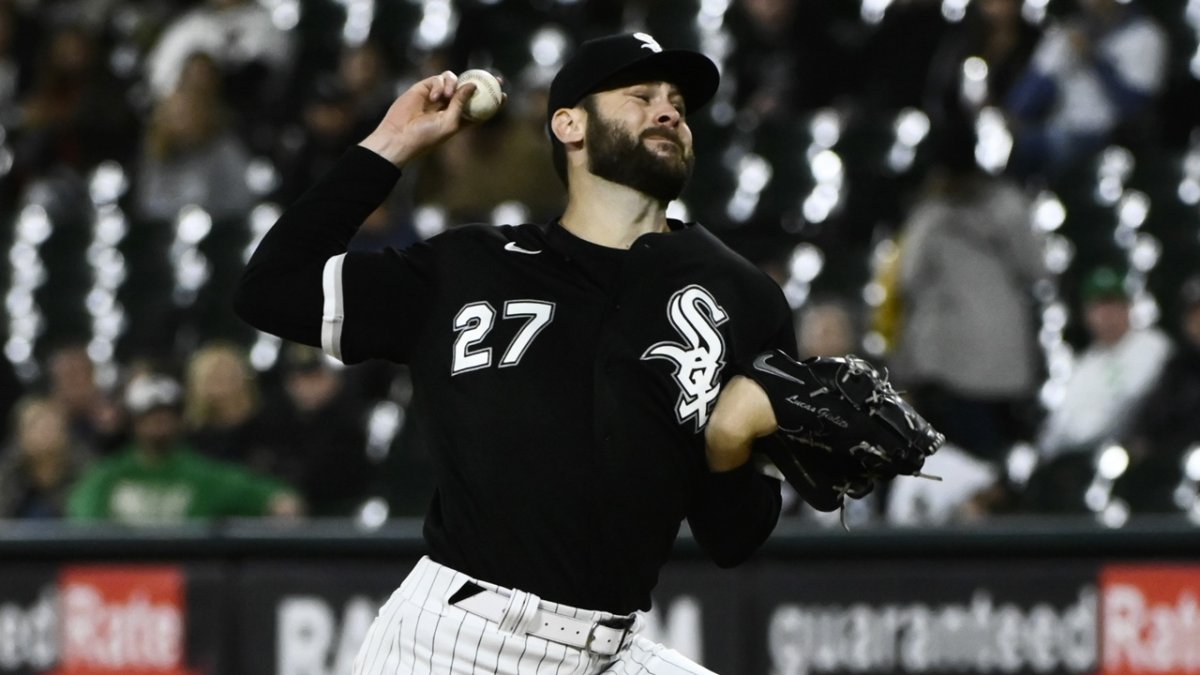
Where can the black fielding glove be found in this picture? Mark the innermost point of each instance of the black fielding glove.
(842, 427)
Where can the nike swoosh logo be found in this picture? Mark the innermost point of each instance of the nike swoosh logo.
(760, 363)
(512, 246)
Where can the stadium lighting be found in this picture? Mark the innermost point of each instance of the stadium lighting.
(873, 11)
(806, 262)
(372, 514)
(547, 47)
(1191, 463)
(954, 10)
(1034, 11)
(509, 212)
(1115, 514)
(1020, 463)
(1112, 462)
(825, 127)
(1048, 212)
(108, 183)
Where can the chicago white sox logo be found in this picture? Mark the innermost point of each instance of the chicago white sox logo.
(648, 42)
(695, 315)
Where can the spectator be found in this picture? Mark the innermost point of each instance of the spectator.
(993, 32)
(202, 77)
(1108, 383)
(223, 413)
(93, 418)
(41, 463)
(75, 114)
(472, 172)
(891, 65)
(827, 328)
(970, 490)
(966, 349)
(191, 156)
(310, 148)
(321, 435)
(365, 74)
(159, 480)
(1092, 74)
(253, 54)
(780, 63)
(11, 66)
(11, 391)
(1167, 423)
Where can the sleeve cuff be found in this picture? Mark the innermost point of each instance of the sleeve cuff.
(734, 480)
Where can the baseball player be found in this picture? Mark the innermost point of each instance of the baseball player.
(576, 375)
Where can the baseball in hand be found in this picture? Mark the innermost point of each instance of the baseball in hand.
(486, 98)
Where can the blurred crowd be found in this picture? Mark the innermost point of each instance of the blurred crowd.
(996, 200)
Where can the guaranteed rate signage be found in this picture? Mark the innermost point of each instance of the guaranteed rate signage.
(123, 620)
(85, 619)
(767, 617)
(1023, 617)
(1151, 620)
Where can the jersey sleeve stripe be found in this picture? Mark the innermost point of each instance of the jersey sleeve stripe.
(334, 309)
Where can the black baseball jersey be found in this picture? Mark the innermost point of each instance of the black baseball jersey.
(564, 386)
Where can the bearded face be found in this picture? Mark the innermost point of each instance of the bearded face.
(617, 155)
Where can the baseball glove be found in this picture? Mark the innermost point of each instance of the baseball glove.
(842, 427)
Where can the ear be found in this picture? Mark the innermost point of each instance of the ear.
(567, 124)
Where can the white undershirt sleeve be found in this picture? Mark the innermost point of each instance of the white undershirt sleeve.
(334, 310)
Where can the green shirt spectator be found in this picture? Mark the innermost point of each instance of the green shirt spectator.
(157, 479)
(137, 489)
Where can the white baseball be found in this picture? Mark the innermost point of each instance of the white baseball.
(486, 98)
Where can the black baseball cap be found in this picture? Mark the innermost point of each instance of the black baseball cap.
(616, 60)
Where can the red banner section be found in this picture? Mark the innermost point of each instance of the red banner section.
(1151, 619)
(128, 620)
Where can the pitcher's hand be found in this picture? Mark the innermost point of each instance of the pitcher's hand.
(426, 114)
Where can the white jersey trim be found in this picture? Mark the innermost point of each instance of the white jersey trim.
(334, 310)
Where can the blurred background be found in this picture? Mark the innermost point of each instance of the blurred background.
(997, 200)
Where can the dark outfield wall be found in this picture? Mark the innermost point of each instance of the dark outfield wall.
(249, 598)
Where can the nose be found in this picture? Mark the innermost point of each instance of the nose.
(668, 116)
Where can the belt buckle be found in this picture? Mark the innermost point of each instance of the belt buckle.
(624, 625)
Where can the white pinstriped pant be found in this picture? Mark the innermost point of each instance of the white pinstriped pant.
(418, 633)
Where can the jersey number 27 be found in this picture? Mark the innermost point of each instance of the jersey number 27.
(475, 320)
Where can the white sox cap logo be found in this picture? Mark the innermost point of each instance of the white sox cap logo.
(695, 315)
(648, 42)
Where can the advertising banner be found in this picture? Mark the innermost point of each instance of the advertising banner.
(768, 617)
(310, 618)
(29, 622)
(1151, 619)
(102, 619)
(1010, 616)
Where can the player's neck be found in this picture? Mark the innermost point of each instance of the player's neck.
(610, 214)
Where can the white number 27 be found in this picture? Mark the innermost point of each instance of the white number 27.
(475, 320)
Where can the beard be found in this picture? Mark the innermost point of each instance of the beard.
(617, 156)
